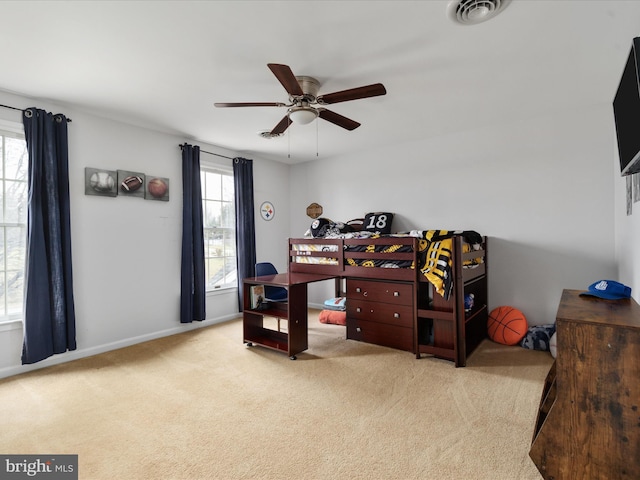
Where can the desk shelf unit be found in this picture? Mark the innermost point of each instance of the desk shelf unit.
(294, 311)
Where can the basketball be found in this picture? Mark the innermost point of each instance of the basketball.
(157, 187)
(507, 325)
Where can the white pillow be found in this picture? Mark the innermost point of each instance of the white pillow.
(552, 345)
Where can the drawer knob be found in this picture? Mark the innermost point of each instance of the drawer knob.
(358, 329)
(396, 315)
(396, 294)
(358, 310)
(358, 290)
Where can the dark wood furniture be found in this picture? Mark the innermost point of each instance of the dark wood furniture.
(294, 340)
(443, 328)
(398, 307)
(588, 423)
(380, 312)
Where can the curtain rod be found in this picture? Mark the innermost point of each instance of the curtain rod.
(21, 110)
(210, 153)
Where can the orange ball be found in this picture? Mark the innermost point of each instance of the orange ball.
(157, 187)
(507, 325)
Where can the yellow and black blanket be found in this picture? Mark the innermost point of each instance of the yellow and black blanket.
(434, 256)
(435, 249)
(381, 263)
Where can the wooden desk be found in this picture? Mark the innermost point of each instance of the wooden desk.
(588, 424)
(294, 310)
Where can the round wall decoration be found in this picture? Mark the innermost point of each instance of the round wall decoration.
(267, 211)
(314, 210)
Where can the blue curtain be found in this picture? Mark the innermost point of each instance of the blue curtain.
(49, 311)
(245, 221)
(192, 283)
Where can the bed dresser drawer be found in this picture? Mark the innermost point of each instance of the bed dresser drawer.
(387, 292)
(401, 315)
(380, 334)
(381, 312)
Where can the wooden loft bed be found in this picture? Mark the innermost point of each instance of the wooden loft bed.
(392, 303)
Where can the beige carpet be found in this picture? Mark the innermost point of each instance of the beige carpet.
(201, 405)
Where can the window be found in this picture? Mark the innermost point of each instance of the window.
(219, 228)
(13, 223)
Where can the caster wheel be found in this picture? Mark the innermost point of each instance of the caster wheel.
(293, 357)
(249, 344)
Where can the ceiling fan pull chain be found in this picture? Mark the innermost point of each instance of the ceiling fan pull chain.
(289, 140)
(317, 139)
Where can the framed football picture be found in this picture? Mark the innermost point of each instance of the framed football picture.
(130, 184)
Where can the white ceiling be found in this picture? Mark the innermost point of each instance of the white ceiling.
(163, 64)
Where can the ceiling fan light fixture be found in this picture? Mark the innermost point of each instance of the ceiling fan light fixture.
(302, 115)
(303, 96)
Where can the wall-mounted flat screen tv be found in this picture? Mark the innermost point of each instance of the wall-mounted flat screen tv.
(626, 112)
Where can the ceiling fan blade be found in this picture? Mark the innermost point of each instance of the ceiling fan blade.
(281, 126)
(338, 119)
(251, 104)
(286, 77)
(367, 91)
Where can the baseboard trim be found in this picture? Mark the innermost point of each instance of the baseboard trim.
(107, 347)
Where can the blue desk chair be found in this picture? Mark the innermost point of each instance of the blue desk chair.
(272, 294)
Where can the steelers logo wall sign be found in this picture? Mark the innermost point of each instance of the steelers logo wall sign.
(267, 211)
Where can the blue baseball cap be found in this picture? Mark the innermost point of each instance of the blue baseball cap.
(609, 289)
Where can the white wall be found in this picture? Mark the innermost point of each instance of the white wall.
(271, 184)
(627, 235)
(541, 189)
(126, 251)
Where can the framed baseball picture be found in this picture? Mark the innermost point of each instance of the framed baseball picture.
(100, 182)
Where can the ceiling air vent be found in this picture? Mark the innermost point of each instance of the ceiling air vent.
(268, 135)
(472, 12)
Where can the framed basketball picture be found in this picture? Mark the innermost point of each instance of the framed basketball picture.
(157, 188)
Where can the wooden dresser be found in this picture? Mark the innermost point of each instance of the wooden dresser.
(381, 312)
(588, 424)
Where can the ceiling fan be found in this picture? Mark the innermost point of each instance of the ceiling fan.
(305, 105)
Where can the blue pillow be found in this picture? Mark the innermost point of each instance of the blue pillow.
(538, 337)
(337, 303)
